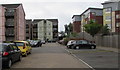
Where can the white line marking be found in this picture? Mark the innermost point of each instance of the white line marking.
(80, 59)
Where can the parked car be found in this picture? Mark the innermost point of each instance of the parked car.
(0, 56)
(36, 43)
(70, 44)
(24, 46)
(83, 44)
(43, 41)
(10, 54)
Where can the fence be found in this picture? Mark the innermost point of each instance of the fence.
(112, 40)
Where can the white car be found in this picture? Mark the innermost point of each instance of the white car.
(70, 44)
(43, 42)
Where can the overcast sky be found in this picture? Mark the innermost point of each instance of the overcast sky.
(63, 10)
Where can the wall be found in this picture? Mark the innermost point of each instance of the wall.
(2, 24)
(49, 30)
(110, 41)
(21, 31)
(77, 26)
(41, 30)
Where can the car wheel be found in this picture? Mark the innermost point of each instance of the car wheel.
(26, 54)
(30, 52)
(20, 58)
(92, 47)
(9, 63)
(77, 47)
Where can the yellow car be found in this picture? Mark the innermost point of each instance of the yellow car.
(24, 46)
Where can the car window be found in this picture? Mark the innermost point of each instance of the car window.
(19, 44)
(84, 42)
(15, 47)
(79, 42)
(9, 48)
(27, 44)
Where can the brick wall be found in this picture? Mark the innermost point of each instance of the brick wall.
(76, 26)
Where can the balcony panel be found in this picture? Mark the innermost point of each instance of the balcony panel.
(9, 13)
(9, 35)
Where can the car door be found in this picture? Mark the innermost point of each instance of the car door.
(12, 53)
(85, 43)
(17, 52)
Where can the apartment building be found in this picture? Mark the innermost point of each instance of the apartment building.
(43, 29)
(35, 28)
(29, 29)
(111, 15)
(76, 23)
(12, 22)
(48, 29)
(95, 14)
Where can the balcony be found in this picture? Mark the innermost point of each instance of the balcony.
(35, 30)
(9, 24)
(55, 24)
(10, 35)
(9, 13)
(35, 26)
(27, 30)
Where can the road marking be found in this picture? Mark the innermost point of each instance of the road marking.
(80, 59)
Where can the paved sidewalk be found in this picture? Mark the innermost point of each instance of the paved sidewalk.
(108, 48)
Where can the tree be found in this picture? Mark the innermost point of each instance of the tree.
(105, 30)
(92, 28)
(68, 29)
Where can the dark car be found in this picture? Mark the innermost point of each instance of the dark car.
(83, 44)
(36, 43)
(10, 54)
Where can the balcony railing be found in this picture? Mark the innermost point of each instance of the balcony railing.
(7, 24)
(9, 13)
(9, 35)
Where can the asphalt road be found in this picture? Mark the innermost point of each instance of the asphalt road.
(97, 58)
(50, 55)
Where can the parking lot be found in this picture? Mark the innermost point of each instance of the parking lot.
(54, 55)
(50, 55)
(97, 58)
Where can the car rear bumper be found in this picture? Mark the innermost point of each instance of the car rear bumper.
(5, 61)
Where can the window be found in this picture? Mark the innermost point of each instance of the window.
(84, 42)
(49, 33)
(108, 10)
(109, 26)
(93, 13)
(108, 18)
(117, 24)
(19, 44)
(118, 16)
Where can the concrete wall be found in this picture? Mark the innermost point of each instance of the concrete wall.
(2, 24)
(49, 30)
(41, 30)
(109, 41)
(21, 24)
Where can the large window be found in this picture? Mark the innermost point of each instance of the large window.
(108, 10)
(108, 18)
(118, 16)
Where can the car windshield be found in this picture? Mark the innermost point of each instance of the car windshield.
(19, 44)
(2, 47)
